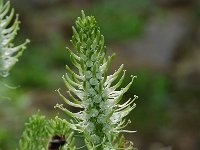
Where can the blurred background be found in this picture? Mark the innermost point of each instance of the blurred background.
(157, 40)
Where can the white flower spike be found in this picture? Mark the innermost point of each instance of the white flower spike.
(9, 53)
(102, 117)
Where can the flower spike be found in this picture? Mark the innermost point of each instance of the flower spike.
(102, 117)
(9, 53)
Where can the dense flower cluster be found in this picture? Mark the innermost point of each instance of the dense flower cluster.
(101, 118)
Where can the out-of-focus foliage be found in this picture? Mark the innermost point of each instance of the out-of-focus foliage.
(121, 19)
(38, 63)
(13, 105)
(154, 102)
